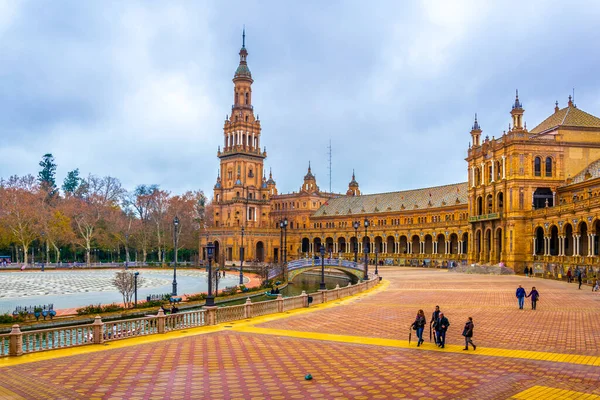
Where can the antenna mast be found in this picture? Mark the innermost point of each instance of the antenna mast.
(329, 153)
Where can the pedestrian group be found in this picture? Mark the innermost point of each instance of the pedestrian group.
(437, 328)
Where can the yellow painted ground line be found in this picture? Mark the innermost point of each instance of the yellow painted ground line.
(544, 392)
(403, 344)
(118, 344)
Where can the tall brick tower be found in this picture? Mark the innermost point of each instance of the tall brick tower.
(241, 194)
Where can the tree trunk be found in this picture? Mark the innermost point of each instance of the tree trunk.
(144, 254)
(25, 248)
(57, 253)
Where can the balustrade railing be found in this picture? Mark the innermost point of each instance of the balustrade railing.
(16, 342)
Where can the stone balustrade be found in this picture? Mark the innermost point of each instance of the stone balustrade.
(17, 342)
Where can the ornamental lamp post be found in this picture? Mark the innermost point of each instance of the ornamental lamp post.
(322, 285)
(366, 276)
(285, 224)
(281, 245)
(135, 275)
(242, 259)
(210, 299)
(356, 224)
(127, 251)
(175, 226)
(376, 263)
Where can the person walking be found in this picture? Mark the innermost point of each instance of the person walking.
(419, 326)
(569, 275)
(535, 295)
(432, 324)
(526, 271)
(468, 334)
(580, 279)
(521, 296)
(531, 272)
(442, 327)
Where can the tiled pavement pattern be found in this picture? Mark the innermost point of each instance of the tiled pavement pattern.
(233, 364)
(567, 320)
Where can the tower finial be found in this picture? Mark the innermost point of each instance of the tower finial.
(308, 165)
(244, 36)
(353, 174)
(270, 173)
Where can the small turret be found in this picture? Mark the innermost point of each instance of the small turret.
(310, 182)
(271, 185)
(476, 133)
(353, 189)
(517, 113)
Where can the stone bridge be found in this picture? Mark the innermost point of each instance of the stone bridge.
(350, 268)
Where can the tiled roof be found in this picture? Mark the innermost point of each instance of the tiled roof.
(439, 196)
(592, 171)
(568, 116)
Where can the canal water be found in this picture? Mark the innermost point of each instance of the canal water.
(80, 288)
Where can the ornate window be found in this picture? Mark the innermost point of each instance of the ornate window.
(537, 166)
(548, 166)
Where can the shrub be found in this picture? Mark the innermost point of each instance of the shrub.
(8, 319)
(91, 309)
(112, 308)
(196, 297)
(151, 303)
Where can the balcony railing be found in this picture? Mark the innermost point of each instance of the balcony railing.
(485, 217)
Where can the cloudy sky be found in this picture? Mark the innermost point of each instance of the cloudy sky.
(139, 90)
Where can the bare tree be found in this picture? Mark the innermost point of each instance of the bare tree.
(124, 281)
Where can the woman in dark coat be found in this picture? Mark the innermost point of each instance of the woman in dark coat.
(419, 325)
(468, 334)
(535, 295)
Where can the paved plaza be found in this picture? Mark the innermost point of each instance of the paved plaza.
(354, 348)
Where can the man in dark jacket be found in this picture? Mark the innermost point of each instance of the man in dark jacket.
(521, 296)
(441, 328)
(433, 322)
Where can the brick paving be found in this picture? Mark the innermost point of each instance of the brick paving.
(567, 320)
(233, 364)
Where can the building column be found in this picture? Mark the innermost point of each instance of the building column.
(493, 170)
(534, 244)
(472, 176)
(503, 167)
(576, 245)
(460, 247)
(434, 245)
(408, 248)
(592, 244)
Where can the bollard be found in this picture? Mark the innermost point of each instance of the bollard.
(248, 308)
(161, 320)
(304, 299)
(97, 336)
(16, 341)
(279, 303)
(337, 291)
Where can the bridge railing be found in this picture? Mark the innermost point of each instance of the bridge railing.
(17, 343)
(329, 262)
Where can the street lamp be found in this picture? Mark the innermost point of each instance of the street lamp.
(210, 299)
(127, 251)
(285, 224)
(43, 241)
(366, 276)
(356, 224)
(135, 275)
(175, 226)
(376, 263)
(281, 245)
(242, 259)
(322, 285)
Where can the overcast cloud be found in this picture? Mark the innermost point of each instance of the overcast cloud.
(140, 90)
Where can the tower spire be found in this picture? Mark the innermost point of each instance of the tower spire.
(244, 37)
